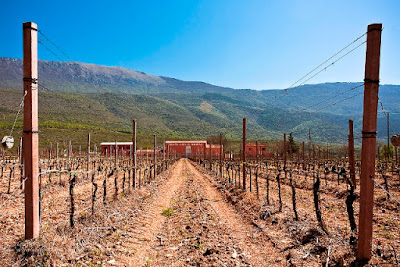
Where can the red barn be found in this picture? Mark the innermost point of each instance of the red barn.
(180, 149)
(123, 148)
(256, 151)
(191, 149)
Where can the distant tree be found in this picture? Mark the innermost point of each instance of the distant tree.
(386, 151)
(293, 147)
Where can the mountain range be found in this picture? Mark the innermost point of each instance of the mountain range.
(76, 98)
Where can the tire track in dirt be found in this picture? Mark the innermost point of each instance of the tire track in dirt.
(142, 235)
(257, 250)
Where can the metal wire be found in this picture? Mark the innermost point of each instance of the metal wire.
(340, 101)
(387, 192)
(44, 87)
(340, 51)
(326, 67)
(19, 111)
(59, 49)
(330, 98)
(48, 49)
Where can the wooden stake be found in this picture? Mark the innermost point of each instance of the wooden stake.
(351, 155)
(244, 153)
(30, 131)
(134, 151)
(284, 153)
(220, 155)
(371, 88)
(116, 155)
(57, 152)
(155, 156)
(88, 155)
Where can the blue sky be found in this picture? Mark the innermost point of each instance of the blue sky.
(240, 44)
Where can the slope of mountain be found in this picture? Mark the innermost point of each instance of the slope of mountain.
(105, 99)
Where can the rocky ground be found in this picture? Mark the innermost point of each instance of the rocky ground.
(185, 217)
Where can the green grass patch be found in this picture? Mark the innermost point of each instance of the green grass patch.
(167, 212)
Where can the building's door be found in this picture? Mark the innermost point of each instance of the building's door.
(188, 150)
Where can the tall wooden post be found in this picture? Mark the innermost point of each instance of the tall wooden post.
(257, 153)
(164, 151)
(69, 150)
(210, 156)
(244, 153)
(116, 155)
(351, 155)
(388, 137)
(371, 88)
(134, 151)
(57, 151)
(221, 152)
(21, 153)
(155, 156)
(88, 155)
(284, 151)
(30, 131)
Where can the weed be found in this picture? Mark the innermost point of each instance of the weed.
(167, 212)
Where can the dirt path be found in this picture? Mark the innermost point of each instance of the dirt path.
(147, 225)
(198, 228)
(258, 249)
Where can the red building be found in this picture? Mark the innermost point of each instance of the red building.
(180, 149)
(256, 151)
(192, 149)
(108, 148)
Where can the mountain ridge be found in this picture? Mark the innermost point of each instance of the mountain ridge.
(194, 109)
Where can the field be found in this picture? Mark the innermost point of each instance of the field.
(189, 214)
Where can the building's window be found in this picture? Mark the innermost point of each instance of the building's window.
(263, 148)
(250, 149)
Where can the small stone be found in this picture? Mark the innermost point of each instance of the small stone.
(234, 254)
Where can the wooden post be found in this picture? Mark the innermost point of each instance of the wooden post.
(309, 144)
(134, 151)
(303, 151)
(351, 155)
(210, 156)
(204, 152)
(116, 155)
(57, 152)
(388, 137)
(257, 153)
(30, 131)
(371, 89)
(244, 153)
(155, 156)
(164, 151)
(88, 155)
(69, 151)
(220, 154)
(21, 153)
(284, 152)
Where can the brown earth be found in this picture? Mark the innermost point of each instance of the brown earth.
(185, 217)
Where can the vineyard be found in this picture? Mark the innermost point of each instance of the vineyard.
(70, 193)
(306, 211)
(190, 203)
